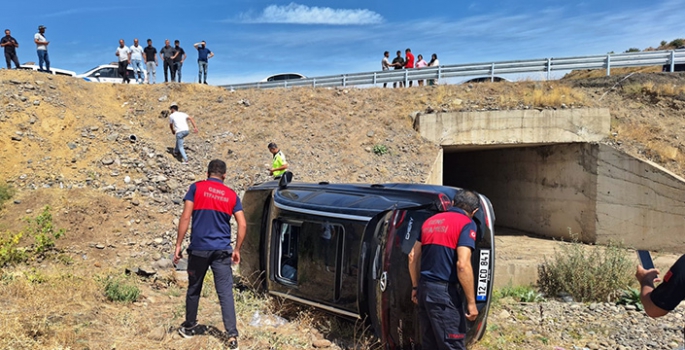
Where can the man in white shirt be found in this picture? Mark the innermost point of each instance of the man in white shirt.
(124, 54)
(178, 122)
(137, 61)
(385, 64)
(42, 49)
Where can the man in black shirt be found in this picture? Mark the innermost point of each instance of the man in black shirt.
(150, 62)
(167, 54)
(178, 58)
(663, 299)
(10, 44)
(398, 63)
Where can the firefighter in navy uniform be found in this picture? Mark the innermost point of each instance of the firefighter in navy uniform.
(441, 258)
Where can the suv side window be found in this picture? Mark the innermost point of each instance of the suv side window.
(288, 237)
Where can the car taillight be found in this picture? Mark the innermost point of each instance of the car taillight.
(445, 202)
(397, 218)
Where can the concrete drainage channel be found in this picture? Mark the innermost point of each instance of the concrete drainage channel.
(548, 173)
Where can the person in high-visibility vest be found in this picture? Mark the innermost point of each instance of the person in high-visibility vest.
(278, 164)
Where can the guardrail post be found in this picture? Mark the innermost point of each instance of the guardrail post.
(406, 78)
(492, 72)
(439, 72)
(374, 78)
(672, 61)
(344, 80)
(314, 82)
(608, 65)
(549, 68)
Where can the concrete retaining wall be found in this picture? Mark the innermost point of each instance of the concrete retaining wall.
(515, 127)
(639, 203)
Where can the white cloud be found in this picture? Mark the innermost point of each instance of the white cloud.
(301, 14)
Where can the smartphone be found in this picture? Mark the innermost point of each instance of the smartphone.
(645, 259)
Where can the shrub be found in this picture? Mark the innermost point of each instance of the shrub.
(677, 43)
(10, 252)
(632, 49)
(6, 192)
(587, 275)
(122, 290)
(631, 296)
(526, 294)
(380, 149)
(43, 231)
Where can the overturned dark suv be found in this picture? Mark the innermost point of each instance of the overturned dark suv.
(343, 248)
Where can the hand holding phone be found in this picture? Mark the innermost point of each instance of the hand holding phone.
(645, 259)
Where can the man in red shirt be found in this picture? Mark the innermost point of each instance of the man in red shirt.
(409, 62)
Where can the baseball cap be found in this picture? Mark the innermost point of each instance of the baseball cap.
(174, 104)
(41, 27)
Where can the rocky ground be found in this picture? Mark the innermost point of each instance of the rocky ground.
(68, 144)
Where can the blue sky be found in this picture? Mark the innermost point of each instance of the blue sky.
(252, 39)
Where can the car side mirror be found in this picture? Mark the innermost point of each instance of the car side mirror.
(97, 75)
(286, 178)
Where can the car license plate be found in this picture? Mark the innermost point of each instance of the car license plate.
(483, 275)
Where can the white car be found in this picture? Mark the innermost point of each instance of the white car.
(54, 71)
(108, 73)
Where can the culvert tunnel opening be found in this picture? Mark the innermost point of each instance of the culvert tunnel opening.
(544, 189)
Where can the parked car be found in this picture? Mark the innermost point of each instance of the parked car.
(494, 79)
(284, 76)
(108, 73)
(343, 248)
(55, 71)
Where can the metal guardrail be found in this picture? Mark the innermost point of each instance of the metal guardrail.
(548, 65)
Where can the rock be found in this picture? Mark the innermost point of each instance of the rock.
(504, 314)
(36, 103)
(127, 179)
(370, 133)
(16, 201)
(163, 98)
(100, 246)
(321, 343)
(158, 240)
(135, 202)
(157, 334)
(15, 82)
(159, 178)
(107, 161)
(16, 138)
(163, 264)
(156, 256)
(112, 137)
(29, 211)
(71, 145)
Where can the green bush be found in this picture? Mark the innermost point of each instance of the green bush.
(122, 290)
(43, 231)
(587, 275)
(631, 296)
(6, 193)
(677, 43)
(10, 252)
(632, 49)
(526, 294)
(380, 149)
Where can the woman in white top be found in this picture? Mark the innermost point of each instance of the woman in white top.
(433, 63)
(420, 63)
